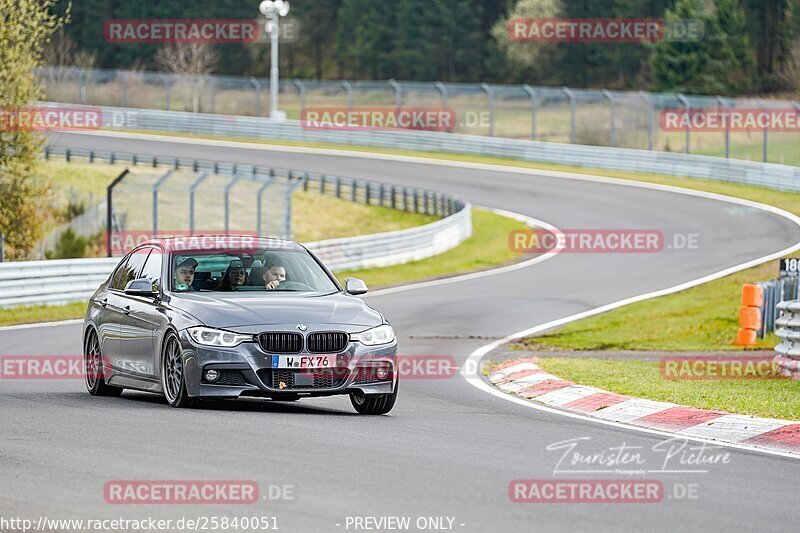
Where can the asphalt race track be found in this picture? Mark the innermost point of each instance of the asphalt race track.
(448, 449)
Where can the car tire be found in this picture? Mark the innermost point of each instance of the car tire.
(93, 368)
(173, 377)
(379, 404)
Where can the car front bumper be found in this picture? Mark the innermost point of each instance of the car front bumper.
(245, 370)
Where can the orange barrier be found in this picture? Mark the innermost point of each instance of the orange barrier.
(749, 314)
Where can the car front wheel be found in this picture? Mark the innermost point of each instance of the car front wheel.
(379, 404)
(173, 377)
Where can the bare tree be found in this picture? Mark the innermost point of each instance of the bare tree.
(191, 63)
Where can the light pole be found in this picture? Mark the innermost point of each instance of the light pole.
(273, 10)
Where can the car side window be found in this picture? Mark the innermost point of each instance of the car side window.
(119, 275)
(133, 267)
(152, 269)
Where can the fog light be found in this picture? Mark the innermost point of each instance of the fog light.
(382, 372)
(212, 375)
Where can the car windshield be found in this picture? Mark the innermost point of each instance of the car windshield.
(264, 270)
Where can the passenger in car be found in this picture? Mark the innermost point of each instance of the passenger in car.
(274, 271)
(234, 277)
(184, 274)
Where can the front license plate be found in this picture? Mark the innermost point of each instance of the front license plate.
(303, 361)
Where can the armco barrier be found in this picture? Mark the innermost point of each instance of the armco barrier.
(779, 177)
(788, 358)
(67, 280)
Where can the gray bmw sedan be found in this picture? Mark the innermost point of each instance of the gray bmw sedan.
(213, 317)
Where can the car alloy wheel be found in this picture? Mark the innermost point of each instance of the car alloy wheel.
(173, 380)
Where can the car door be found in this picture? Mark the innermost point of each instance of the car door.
(144, 316)
(109, 320)
(129, 328)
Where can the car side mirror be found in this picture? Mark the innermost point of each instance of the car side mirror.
(355, 286)
(140, 287)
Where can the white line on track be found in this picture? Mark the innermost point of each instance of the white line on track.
(470, 370)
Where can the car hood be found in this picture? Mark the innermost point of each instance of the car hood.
(227, 311)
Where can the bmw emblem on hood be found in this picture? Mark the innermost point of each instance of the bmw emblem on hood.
(302, 327)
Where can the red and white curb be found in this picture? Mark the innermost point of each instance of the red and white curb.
(525, 379)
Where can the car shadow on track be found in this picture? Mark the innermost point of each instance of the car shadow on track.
(135, 400)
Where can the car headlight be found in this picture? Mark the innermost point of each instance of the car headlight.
(217, 337)
(381, 335)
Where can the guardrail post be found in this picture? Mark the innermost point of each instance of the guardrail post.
(686, 107)
(257, 87)
(192, 189)
(572, 113)
(416, 201)
(338, 187)
(766, 129)
(443, 92)
(110, 208)
(721, 103)
(532, 93)
(650, 117)
(490, 105)
(301, 89)
(123, 89)
(322, 184)
(167, 91)
(156, 186)
(353, 190)
(228, 188)
(405, 199)
(213, 88)
(612, 137)
(381, 195)
(398, 94)
(427, 202)
(2, 247)
(349, 89)
(368, 193)
(267, 183)
(394, 197)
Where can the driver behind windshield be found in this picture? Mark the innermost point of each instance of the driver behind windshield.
(274, 271)
(234, 276)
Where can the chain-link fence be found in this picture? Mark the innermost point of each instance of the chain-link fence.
(593, 117)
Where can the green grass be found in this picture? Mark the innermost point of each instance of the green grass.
(41, 313)
(758, 397)
(487, 247)
(701, 318)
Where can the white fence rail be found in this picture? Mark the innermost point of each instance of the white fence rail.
(774, 176)
(69, 280)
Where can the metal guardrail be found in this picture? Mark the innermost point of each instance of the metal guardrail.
(788, 358)
(776, 291)
(774, 176)
(67, 280)
(599, 117)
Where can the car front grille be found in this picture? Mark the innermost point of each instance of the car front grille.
(328, 342)
(324, 378)
(279, 342)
